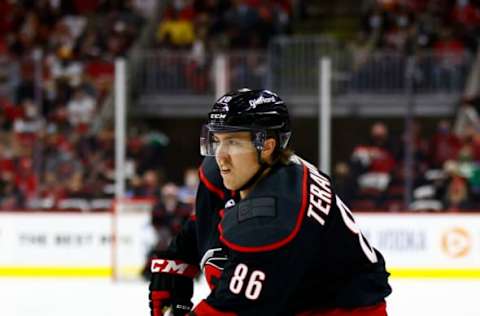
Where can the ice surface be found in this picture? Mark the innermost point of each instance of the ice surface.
(100, 297)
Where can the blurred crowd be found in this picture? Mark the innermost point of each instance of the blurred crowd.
(445, 170)
(413, 25)
(190, 33)
(56, 69)
(441, 34)
(231, 24)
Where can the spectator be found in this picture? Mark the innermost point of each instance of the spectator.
(176, 30)
(29, 127)
(26, 179)
(26, 85)
(374, 22)
(81, 109)
(343, 181)
(242, 22)
(457, 197)
(9, 72)
(467, 117)
(377, 155)
(465, 16)
(63, 164)
(449, 51)
(429, 21)
(169, 211)
(399, 32)
(187, 192)
(75, 188)
(372, 164)
(146, 8)
(148, 186)
(468, 162)
(444, 145)
(10, 196)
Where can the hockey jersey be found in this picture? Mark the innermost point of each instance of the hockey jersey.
(290, 246)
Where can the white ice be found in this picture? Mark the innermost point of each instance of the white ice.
(100, 297)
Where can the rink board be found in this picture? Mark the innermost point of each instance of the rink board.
(80, 244)
(426, 245)
(73, 244)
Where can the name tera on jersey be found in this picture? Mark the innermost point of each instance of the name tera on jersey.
(320, 194)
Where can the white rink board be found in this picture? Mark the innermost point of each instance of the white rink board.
(83, 241)
(448, 241)
(55, 239)
(73, 240)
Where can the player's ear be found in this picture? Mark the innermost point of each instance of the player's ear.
(268, 148)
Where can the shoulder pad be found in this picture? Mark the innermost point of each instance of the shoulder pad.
(210, 176)
(271, 216)
(300, 161)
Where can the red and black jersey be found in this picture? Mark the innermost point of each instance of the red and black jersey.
(291, 246)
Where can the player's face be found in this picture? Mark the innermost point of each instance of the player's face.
(236, 157)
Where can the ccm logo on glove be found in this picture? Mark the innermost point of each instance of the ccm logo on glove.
(177, 267)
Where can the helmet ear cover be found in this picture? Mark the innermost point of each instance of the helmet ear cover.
(281, 139)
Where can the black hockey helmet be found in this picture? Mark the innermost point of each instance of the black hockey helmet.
(261, 112)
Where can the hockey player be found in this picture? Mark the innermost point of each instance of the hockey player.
(269, 233)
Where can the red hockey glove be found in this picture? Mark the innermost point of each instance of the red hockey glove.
(171, 284)
(158, 301)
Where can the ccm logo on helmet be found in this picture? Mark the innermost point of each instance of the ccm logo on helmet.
(218, 116)
(168, 266)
